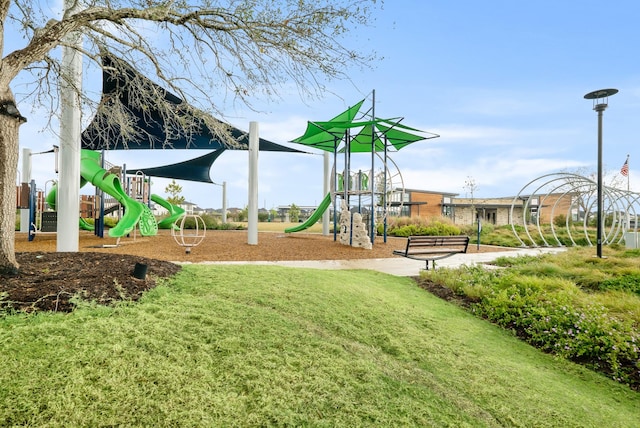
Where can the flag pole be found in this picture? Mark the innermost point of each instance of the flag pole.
(628, 190)
(628, 179)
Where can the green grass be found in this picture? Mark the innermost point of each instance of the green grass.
(271, 346)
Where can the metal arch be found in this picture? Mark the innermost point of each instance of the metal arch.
(618, 203)
(558, 176)
(571, 207)
(388, 179)
(552, 210)
(524, 210)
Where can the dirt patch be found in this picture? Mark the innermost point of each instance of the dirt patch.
(102, 270)
(50, 281)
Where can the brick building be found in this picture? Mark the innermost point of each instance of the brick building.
(497, 211)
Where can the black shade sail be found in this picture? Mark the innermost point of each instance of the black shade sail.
(192, 170)
(153, 117)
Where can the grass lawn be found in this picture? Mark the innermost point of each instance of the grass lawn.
(272, 346)
(277, 226)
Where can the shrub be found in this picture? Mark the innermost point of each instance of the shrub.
(211, 222)
(572, 304)
(585, 335)
(560, 220)
(629, 283)
(406, 226)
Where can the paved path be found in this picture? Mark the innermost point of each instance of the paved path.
(402, 266)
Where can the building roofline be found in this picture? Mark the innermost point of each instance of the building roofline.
(434, 192)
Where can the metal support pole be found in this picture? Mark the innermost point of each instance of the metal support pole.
(26, 179)
(600, 99)
(326, 189)
(70, 129)
(254, 141)
(224, 202)
(599, 108)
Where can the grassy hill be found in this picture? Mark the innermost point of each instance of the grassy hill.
(272, 346)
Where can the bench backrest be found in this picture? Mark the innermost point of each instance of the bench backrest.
(438, 241)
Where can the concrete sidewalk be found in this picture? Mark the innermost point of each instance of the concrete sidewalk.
(402, 266)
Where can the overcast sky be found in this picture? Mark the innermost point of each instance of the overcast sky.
(501, 82)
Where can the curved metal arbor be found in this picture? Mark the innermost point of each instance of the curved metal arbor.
(573, 196)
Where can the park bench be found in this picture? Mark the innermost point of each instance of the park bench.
(432, 248)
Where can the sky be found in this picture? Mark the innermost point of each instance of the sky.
(501, 82)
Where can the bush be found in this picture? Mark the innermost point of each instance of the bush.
(584, 335)
(211, 222)
(406, 226)
(629, 283)
(572, 304)
(560, 220)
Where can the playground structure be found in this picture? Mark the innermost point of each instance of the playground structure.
(131, 202)
(574, 197)
(190, 239)
(364, 191)
(120, 81)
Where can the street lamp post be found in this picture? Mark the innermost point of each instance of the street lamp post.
(600, 99)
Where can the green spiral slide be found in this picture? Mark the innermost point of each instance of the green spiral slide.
(135, 213)
(175, 213)
(317, 214)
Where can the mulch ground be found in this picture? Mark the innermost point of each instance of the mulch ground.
(103, 269)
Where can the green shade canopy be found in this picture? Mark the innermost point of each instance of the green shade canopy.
(327, 135)
(365, 135)
(389, 132)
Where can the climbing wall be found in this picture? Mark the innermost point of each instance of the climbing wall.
(353, 231)
(345, 224)
(359, 235)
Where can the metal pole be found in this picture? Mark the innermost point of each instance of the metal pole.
(254, 141)
(26, 179)
(326, 189)
(224, 202)
(70, 128)
(600, 108)
(372, 213)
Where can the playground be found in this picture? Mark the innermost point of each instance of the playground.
(359, 187)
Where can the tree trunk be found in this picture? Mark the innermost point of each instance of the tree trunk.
(9, 149)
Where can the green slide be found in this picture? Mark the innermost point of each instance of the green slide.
(85, 225)
(317, 214)
(135, 213)
(51, 201)
(175, 212)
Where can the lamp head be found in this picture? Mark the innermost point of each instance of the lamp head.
(600, 98)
